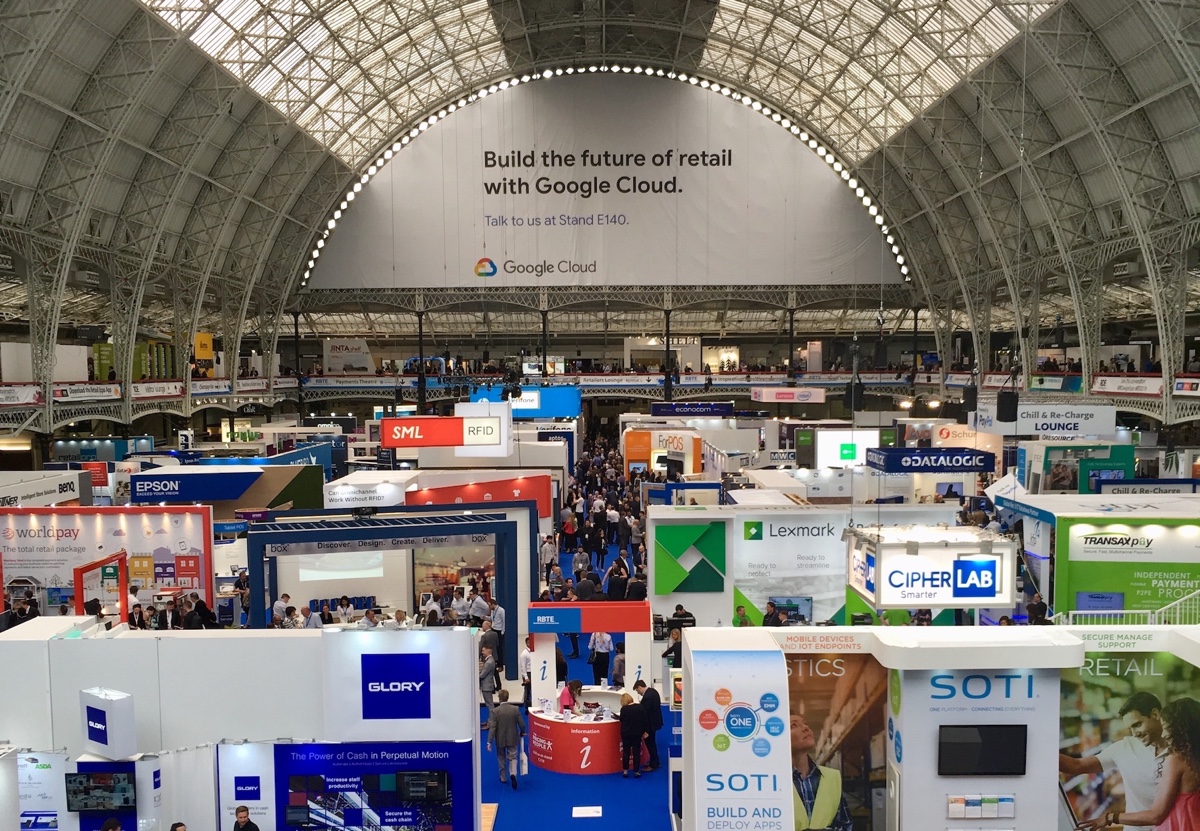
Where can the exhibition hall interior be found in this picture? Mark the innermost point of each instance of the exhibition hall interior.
(683, 415)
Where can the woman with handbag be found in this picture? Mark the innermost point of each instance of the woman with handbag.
(634, 729)
(601, 646)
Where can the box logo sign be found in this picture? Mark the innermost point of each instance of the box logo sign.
(247, 788)
(396, 686)
(702, 545)
(97, 725)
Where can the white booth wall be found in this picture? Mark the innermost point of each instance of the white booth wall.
(808, 559)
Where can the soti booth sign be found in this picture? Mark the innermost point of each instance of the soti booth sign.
(736, 734)
(935, 568)
(930, 460)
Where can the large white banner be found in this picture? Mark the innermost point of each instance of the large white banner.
(167, 547)
(1049, 420)
(654, 181)
(399, 686)
(42, 790)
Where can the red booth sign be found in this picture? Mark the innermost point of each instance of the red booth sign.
(440, 431)
(579, 747)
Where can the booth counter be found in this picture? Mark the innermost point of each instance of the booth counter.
(586, 745)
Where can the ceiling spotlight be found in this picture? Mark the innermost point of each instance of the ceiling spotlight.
(933, 403)
(906, 403)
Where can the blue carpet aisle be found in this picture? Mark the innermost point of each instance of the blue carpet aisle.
(547, 799)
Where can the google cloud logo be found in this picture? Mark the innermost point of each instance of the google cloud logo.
(485, 268)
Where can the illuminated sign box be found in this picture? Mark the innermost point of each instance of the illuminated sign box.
(920, 567)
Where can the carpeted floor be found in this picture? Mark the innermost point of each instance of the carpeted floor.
(545, 799)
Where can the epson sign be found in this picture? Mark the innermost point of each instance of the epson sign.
(162, 487)
(396, 686)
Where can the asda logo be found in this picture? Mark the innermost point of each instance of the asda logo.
(752, 530)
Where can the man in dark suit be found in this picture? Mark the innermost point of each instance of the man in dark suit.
(169, 617)
(652, 704)
(636, 590)
(506, 729)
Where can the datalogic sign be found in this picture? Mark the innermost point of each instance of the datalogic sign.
(396, 686)
(945, 460)
(97, 725)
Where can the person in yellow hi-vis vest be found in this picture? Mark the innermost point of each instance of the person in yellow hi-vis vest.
(817, 797)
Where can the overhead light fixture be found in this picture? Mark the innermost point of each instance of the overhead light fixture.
(906, 403)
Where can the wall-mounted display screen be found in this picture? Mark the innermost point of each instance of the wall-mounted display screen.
(87, 792)
(982, 749)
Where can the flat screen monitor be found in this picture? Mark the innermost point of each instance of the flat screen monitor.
(297, 815)
(950, 490)
(637, 467)
(95, 792)
(982, 749)
(794, 609)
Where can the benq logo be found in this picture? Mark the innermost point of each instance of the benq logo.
(396, 686)
(247, 788)
(97, 725)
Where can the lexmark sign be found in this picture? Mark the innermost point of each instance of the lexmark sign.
(396, 686)
(758, 530)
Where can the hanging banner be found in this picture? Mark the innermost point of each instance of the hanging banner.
(210, 386)
(75, 393)
(1150, 386)
(20, 395)
(788, 395)
(930, 460)
(608, 194)
(708, 409)
(1035, 419)
(347, 356)
(496, 490)
(176, 484)
(440, 431)
(157, 389)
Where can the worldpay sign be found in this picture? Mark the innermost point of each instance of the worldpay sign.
(930, 460)
(440, 431)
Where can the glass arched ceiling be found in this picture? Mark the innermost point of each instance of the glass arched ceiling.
(353, 73)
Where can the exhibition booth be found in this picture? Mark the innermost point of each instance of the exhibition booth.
(386, 737)
(912, 728)
(587, 743)
(712, 559)
(1110, 552)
